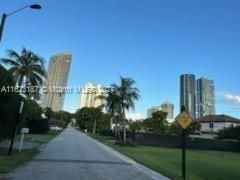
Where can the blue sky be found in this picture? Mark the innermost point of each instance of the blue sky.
(152, 41)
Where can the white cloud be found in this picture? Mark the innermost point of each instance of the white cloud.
(134, 116)
(232, 99)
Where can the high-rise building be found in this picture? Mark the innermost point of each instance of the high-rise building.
(58, 70)
(169, 108)
(187, 93)
(205, 97)
(91, 96)
(152, 110)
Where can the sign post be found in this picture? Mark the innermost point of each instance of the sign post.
(184, 120)
(23, 131)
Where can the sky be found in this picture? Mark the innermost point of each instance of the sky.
(151, 41)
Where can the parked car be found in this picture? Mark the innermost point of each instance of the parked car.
(56, 128)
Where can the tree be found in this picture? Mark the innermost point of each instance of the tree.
(62, 116)
(194, 127)
(48, 113)
(113, 106)
(31, 111)
(127, 95)
(87, 118)
(175, 128)
(104, 121)
(27, 69)
(96, 115)
(82, 118)
(136, 126)
(9, 101)
(158, 123)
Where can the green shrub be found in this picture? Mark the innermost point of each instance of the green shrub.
(38, 126)
(230, 133)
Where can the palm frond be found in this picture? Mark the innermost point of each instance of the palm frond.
(9, 62)
(37, 59)
(13, 54)
(39, 69)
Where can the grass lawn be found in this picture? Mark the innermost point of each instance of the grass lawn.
(8, 163)
(201, 165)
(38, 138)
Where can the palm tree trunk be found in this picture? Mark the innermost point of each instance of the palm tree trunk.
(115, 130)
(111, 122)
(124, 128)
(118, 134)
(112, 119)
(94, 126)
(20, 82)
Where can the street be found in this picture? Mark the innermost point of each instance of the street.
(74, 156)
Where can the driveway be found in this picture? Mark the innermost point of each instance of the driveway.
(74, 156)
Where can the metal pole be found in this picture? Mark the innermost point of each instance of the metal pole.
(17, 10)
(183, 148)
(183, 153)
(4, 16)
(21, 143)
(15, 127)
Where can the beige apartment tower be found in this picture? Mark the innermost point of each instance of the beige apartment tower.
(90, 96)
(57, 77)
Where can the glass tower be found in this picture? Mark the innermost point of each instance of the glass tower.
(187, 94)
(205, 97)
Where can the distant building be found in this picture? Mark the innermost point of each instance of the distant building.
(205, 97)
(165, 107)
(152, 110)
(90, 96)
(187, 93)
(169, 108)
(215, 123)
(58, 70)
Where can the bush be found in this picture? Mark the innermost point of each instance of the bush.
(230, 133)
(106, 132)
(38, 126)
(31, 111)
(54, 122)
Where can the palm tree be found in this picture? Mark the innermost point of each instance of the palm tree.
(127, 95)
(96, 114)
(112, 104)
(27, 69)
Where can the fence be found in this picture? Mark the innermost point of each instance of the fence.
(192, 143)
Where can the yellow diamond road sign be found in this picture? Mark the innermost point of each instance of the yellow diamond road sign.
(184, 120)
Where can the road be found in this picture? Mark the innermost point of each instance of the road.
(74, 156)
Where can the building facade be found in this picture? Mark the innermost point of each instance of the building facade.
(169, 108)
(57, 76)
(90, 96)
(205, 97)
(187, 94)
(216, 123)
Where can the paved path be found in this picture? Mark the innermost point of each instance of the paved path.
(74, 156)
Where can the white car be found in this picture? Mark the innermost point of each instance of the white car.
(56, 128)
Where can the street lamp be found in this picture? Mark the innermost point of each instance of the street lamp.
(4, 16)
